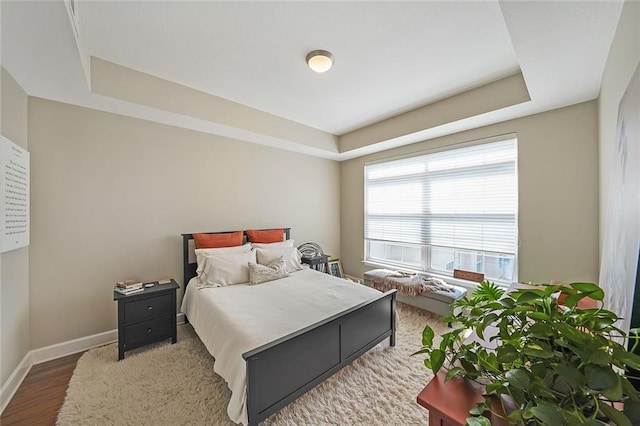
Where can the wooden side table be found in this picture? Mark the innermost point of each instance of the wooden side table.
(449, 402)
(315, 261)
(146, 317)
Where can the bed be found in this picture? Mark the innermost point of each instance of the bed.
(267, 359)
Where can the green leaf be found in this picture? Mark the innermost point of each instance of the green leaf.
(478, 421)
(629, 390)
(539, 369)
(615, 415)
(602, 323)
(504, 333)
(471, 353)
(427, 336)
(519, 397)
(437, 359)
(476, 312)
(540, 330)
(547, 414)
(495, 388)
(571, 333)
(542, 384)
(632, 411)
(528, 296)
(508, 302)
(593, 290)
(422, 351)
(600, 377)
(572, 300)
(479, 409)
(469, 367)
(614, 393)
(571, 374)
(489, 361)
(453, 372)
(629, 358)
(507, 354)
(487, 291)
(551, 382)
(519, 378)
(537, 350)
(541, 316)
(495, 306)
(597, 356)
(488, 319)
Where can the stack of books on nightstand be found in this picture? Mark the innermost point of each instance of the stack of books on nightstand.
(128, 287)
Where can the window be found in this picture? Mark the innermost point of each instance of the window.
(454, 209)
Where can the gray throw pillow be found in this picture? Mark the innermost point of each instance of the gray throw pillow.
(261, 273)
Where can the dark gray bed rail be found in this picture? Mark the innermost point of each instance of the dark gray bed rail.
(281, 371)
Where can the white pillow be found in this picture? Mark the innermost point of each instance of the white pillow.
(227, 269)
(291, 257)
(201, 254)
(275, 270)
(285, 243)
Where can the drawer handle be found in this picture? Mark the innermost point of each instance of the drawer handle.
(149, 330)
(149, 308)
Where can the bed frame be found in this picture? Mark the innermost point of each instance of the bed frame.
(281, 371)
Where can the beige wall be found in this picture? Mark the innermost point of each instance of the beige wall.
(14, 265)
(489, 97)
(558, 193)
(124, 83)
(111, 196)
(623, 60)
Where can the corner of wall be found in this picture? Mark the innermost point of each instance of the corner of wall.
(14, 265)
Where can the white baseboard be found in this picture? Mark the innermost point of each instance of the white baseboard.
(12, 384)
(72, 346)
(49, 353)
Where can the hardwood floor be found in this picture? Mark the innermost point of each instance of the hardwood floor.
(41, 394)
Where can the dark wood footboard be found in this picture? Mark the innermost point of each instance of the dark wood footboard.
(282, 370)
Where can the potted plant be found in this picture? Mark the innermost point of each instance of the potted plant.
(558, 364)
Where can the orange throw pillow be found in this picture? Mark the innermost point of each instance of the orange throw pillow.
(269, 236)
(230, 239)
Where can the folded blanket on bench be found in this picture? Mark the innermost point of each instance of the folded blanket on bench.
(406, 284)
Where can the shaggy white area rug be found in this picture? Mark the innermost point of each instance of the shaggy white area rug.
(175, 385)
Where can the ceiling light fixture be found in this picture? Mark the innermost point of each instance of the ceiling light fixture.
(320, 60)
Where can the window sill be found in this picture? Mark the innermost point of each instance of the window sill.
(469, 285)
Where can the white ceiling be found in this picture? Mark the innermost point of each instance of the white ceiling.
(390, 57)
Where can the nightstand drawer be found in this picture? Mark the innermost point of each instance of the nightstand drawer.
(148, 331)
(145, 309)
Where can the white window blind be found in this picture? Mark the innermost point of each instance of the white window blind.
(455, 209)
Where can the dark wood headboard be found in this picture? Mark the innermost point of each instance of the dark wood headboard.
(189, 268)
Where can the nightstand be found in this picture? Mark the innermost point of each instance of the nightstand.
(146, 317)
(314, 261)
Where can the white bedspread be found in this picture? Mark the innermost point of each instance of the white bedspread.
(235, 319)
